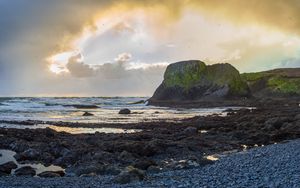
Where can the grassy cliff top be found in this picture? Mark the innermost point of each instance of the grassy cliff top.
(284, 81)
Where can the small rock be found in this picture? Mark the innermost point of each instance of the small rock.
(144, 164)
(51, 174)
(87, 114)
(190, 130)
(124, 111)
(49, 132)
(130, 174)
(297, 117)
(7, 167)
(153, 169)
(25, 171)
(126, 156)
(30, 154)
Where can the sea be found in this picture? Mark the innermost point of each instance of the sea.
(105, 110)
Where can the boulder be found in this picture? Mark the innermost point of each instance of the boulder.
(190, 131)
(144, 164)
(25, 171)
(87, 114)
(124, 111)
(130, 174)
(7, 167)
(30, 154)
(193, 80)
(82, 106)
(51, 174)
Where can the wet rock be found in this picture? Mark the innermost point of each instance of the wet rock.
(25, 171)
(51, 174)
(297, 117)
(7, 167)
(87, 114)
(130, 174)
(126, 156)
(82, 106)
(274, 123)
(153, 169)
(30, 154)
(49, 132)
(144, 164)
(18, 146)
(124, 111)
(99, 169)
(138, 102)
(190, 130)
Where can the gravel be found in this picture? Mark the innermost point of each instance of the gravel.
(275, 165)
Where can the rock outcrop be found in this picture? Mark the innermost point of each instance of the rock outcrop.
(274, 83)
(194, 80)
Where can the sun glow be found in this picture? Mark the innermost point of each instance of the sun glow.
(58, 62)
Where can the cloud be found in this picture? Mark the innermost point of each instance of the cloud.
(123, 58)
(77, 68)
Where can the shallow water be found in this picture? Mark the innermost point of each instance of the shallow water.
(72, 130)
(62, 109)
(8, 155)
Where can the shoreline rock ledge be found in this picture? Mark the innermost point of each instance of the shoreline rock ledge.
(194, 80)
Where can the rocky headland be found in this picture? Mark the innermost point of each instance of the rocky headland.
(193, 84)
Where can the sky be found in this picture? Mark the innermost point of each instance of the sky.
(122, 47)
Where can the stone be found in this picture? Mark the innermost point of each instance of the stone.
(30, 154)
(153, 169)
(82, 106)
(7, 167)
(87, 114)
(130, 174)
(124, 111)
(143, 164)
(25, 171)
(190, 130)
(51, 174)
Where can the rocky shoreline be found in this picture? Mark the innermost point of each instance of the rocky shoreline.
(275, 165)
(159, 147)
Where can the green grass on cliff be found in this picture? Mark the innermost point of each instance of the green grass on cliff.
(274, 82)
(184, 77)
(285, 85)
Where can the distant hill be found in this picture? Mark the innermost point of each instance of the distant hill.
(274, 83)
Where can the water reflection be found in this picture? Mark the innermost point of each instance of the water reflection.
(72, 130)
(79, 130)
(8, 156)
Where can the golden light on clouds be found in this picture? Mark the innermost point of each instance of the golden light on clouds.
(252, 35)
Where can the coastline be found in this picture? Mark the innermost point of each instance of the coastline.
(158, 145)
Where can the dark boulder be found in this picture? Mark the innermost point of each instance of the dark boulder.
(130, 174)
(124, 111)
(82, 106)
(7, 167)
(87, 114)
(51, 174)
(25, 171)
(190, 131)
